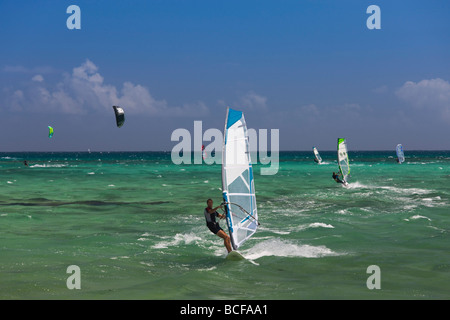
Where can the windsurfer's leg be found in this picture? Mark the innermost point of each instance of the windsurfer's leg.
(226, 239)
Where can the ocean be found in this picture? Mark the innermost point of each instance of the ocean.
(133, 223)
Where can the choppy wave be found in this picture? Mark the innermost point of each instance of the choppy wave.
(408, 191)
(320, 225)
(178, 239)
(57, 165)
(356, 185)
(286, 248)
(419, 217)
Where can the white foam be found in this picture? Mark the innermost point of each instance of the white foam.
(122, 257)
(320, 225)
(283, 248)
(419, 217)
(48, 165)
(282, 232)
(91, 173)
(148, 264)
(409, 207)
(410, 191)
(356, 185)
(9, 182)
(207, 269)
(180, 238)
(432, 199)
(299, 228)
(343, 211)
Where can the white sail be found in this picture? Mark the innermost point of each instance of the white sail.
(344, 166)
(237, 180)
(317, 155)
(400, 154)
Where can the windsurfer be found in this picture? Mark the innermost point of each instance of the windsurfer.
(336, 178)
(214, 227)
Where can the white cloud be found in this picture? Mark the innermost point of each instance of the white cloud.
(253, 101)
(310, 110)
(38, 78)
(433, 95)
(85, 90)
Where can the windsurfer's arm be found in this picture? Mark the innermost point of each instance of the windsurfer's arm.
(221, 216)
(214, 209)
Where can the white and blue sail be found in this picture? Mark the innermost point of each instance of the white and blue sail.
(238, 187)
(317, 155)
(400, 154)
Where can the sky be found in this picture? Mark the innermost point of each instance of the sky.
(311, 69)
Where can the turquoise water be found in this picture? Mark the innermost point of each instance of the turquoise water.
(133, 223)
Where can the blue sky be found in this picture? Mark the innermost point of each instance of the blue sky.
(311, 69)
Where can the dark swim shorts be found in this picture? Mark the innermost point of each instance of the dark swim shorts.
(214, 227)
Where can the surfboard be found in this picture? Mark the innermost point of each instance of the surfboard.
(235, 256)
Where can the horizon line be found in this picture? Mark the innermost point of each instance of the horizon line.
(169, 151)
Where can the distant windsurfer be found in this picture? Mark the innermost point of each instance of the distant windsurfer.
(210, 216)
(25, 163)
(336, 178)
